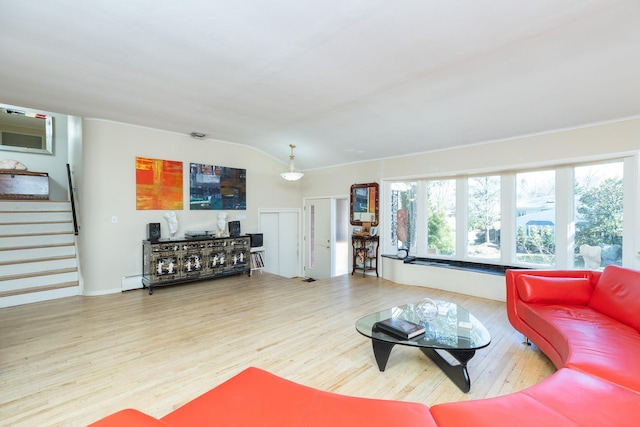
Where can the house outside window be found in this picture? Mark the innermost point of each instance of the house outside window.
(536, 217)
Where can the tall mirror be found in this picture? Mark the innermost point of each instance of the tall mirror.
(25, 131)
(364, 203)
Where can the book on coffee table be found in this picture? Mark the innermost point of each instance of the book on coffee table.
(401, 328)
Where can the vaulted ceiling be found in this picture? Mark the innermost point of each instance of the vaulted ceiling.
(343, 80)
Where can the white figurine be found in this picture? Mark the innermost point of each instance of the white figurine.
(222, 225)
(172, 222)
(160, 264)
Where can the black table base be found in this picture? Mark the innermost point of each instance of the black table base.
(456, 372)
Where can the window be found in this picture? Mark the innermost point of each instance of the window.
(403, 215)
(536, 217)
(569, 216)
(441, 217)
(598, 215)
(483, 217)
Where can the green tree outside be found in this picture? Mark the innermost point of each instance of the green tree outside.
(440, 236)
(600, 212)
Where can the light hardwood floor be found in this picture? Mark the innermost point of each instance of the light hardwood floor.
(72, 361)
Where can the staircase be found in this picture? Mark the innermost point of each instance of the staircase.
(37, 252)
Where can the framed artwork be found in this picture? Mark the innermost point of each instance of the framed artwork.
(158, 184)
(217, 187)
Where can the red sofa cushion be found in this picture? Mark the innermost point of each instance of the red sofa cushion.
(257, 398)
(558, 290)
(617, 294)
(128, 418)
(567, 398)
(588, 341)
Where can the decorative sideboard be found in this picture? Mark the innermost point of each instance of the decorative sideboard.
(167, 262)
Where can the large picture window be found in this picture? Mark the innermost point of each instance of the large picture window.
(570, 216)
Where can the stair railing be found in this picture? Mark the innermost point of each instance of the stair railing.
(73, 203)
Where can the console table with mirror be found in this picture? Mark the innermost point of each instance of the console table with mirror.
(364, 213)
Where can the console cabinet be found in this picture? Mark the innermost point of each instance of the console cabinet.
(167, 262)
(365, 253)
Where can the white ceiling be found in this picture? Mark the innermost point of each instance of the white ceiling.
(344, 80)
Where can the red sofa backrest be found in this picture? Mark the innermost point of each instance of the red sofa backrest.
(617, 294)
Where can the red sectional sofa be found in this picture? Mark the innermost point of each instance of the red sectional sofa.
(586, 322)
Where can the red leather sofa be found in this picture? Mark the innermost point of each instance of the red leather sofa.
(586, 322)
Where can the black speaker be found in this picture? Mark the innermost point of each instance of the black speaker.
(234, 228)
(256, 240)
(153, 231)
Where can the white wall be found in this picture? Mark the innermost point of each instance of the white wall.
(110, 251)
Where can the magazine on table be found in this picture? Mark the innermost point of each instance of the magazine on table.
(401, 328)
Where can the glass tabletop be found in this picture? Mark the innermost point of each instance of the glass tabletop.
(452, 328)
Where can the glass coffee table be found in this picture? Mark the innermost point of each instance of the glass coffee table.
(452, 330)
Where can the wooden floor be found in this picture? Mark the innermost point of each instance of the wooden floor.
(72, 361)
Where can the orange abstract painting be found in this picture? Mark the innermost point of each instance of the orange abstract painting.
(158, 184)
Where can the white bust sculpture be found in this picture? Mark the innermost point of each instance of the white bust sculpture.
(222, 225)
(592, 256)
(172, 222)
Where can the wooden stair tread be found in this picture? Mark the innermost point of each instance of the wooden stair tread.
(38, 289)
(19, 248)
(39, 274)
(43, 259)
(51, 233)
(37, 222)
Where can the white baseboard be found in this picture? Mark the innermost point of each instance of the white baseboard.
(131, 282)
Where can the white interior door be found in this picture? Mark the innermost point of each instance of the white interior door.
(289, 251)
(281, 237)
(318, 215)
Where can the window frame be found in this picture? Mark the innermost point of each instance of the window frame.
(564, 216)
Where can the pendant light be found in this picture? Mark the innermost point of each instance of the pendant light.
(292, 175)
